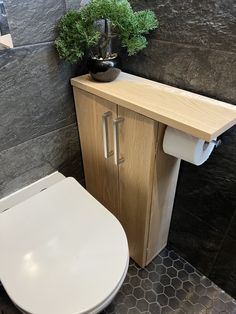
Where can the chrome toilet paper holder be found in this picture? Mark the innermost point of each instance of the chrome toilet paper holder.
(217, 142)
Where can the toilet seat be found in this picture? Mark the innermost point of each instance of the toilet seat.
(62, 252)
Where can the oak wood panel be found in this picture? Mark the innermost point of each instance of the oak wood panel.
(197, 115)
(137, 147)
(166, 172)
(101, 175)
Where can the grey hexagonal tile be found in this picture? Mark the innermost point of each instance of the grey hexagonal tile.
(195, 278)
(151, 267)
(134, 311)
(224, 297)
(143, 273)
(230, 307)
(206, 282)
(158, 287)
(188, 286)
(119, 298)
(130, 301)
(155, 308)
(200, 290)
(206, 301)
(164, 253)
(133, 270)
(213, 292)
(138, 293)
(142, 305)
(167, 261)
(162, 299)
(166, 310)
(193, 298)
(169, 291)
(219, 305)
(189, 268)
(157, 260)
(165, 280)
(173, 255)
(199, 308)
(127, 289)
(150, 296)
(135, 281)
(181, 294)
(154, 276)
(183, 275)
(160, 269)
(176, 283)
(146, 284)
(174, 303)
(187, 307)
(178, 264)
(121, 309)
(171, 272)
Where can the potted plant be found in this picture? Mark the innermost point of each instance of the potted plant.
(92, 29)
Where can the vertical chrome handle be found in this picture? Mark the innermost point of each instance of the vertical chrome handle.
(105, 118)
(117, 158)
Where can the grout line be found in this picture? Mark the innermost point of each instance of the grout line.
(33, 45)
(193, 46)
(222, 242)
(41, 135)
(197, 217)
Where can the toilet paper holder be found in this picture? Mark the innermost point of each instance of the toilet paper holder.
(217, 142)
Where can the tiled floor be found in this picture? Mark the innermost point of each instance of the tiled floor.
(168, 285)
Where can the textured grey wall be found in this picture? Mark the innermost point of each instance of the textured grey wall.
(195, 49)
(38, 132)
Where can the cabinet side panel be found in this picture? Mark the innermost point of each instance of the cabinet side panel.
(101, 175)
(137, 147)
(166, 170)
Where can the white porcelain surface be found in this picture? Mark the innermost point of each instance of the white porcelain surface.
(30, 190)
(62, 251)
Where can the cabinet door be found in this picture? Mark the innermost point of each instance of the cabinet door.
(137, 136)
(101, 175)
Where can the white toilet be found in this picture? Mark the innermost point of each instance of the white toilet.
(62, 252)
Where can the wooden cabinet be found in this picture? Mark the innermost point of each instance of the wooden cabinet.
(121, 126)
(101, 173)
(120, 148)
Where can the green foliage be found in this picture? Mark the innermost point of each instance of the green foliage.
(77, 33)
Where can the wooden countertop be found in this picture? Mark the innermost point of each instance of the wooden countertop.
(197, 115)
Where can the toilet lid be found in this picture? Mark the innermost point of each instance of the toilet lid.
(62, 252)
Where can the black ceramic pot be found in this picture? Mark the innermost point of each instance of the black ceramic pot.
(104, 70)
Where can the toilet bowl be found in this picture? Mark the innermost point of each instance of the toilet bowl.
(62, 252)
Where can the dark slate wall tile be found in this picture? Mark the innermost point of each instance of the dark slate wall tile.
(202, 23)
(232, 227)
(194, 239)
(36, 96)
(208, 191)
(36, 158)
(204, 71)
(75, 4)
(224, 271)
(33, 21)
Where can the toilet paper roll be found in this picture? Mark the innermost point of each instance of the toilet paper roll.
(187, 147)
